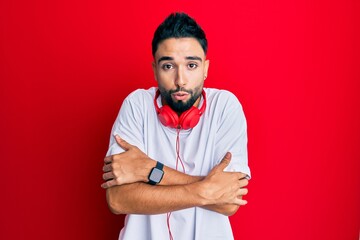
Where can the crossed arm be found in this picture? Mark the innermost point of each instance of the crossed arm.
(126, 174)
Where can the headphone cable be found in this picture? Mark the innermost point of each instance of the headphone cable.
(178, 159)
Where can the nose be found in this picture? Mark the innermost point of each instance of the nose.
(180, 79)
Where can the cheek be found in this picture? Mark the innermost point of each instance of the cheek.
(195, 76)
(165, 79)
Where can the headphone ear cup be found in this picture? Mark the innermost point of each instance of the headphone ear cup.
(168, 117)
(189, 118)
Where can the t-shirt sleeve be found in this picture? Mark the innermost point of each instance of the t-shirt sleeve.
(128, 125)
(232, 134)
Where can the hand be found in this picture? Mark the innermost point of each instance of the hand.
(221, 187)
(128, 167)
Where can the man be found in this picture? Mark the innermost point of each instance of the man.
(177, 161)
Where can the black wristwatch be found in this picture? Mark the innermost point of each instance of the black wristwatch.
(156, 174)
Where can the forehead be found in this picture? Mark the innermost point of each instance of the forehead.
(179, 47)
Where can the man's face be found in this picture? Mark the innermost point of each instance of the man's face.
(180, 69)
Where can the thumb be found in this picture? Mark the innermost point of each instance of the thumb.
(225, 161)
(122, 143)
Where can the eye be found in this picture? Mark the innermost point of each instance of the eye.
(192, 65)
(167, 66)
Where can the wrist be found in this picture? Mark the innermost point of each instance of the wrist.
(200, 190)
(148, 166)
(156, 174)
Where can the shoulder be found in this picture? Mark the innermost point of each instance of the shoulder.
(141, 97)
(142, 93)
(221, 97)
(138, 101)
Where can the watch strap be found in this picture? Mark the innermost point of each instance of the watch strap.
(159, 166)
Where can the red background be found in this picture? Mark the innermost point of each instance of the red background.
(66, 66)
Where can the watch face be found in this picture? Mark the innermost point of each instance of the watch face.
(156, 175)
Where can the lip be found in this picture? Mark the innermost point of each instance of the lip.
(180, 95)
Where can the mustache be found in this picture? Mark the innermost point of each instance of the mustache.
(180, 89)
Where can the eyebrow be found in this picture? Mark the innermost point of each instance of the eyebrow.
(167, 58)
(196, 58)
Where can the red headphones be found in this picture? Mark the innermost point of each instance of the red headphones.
(187, 119)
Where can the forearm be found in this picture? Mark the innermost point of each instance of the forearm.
(173, 177)
(226, 209)
(141, 198)
(126, 175)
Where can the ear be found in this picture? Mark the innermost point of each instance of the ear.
(206, 67)
(154, 69)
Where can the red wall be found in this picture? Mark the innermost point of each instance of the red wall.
(66, 66)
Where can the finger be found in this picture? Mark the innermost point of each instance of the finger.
(241, 202)
(108, 159)
(243, 191)
(107, 168)
(108, 184)
(225, 161)
(244, 182)
(108, 176)
(122, 143)
(241, 175)
(245, 176)
(228, 156)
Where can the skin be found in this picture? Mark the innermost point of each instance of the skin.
(180, 68)
(180, 63)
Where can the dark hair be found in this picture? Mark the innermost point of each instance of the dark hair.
(178, 25)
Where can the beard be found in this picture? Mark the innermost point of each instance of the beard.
(178, 105)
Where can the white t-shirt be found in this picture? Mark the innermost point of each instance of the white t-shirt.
(221, 129)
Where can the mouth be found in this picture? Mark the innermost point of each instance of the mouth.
(180, 95)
